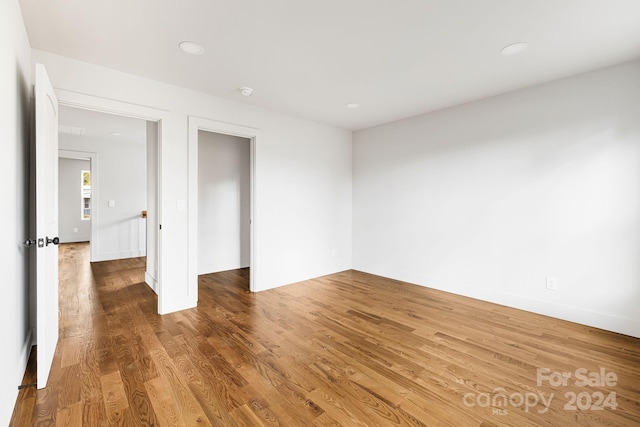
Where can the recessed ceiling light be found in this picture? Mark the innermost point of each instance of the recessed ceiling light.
(514, 49)
(352, 105)
(73, 130)
(115, 134)
(246, 91)
(191, 48)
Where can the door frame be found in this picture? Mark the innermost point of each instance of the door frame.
(252, 134)
(95, 196)
(120, 108)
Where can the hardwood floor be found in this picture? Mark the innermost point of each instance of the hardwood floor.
(348, 349)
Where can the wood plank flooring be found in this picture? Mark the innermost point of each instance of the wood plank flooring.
(348, 349)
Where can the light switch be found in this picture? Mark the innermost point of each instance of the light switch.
(182, 205)
(112, 203)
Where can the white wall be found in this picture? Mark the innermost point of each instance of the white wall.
(303, 179)
(120, 175)
(488, 198)
(70, 201)
(223, 202)
(15, 101)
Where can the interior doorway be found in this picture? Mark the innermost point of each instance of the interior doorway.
(74, 196)
(224, 202)
(119, 198)
(236, 188)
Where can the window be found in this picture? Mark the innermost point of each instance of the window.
(85, 194)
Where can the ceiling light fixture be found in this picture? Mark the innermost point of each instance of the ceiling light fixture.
(246, 91)
(514, 49)
(73, 130)
(352, 105)
(191, 48)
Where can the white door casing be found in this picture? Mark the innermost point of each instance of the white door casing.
(150, 114)
(253, 134)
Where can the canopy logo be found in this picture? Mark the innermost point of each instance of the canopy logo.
(499, 400)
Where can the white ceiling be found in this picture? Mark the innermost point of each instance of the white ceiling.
(310, 58)
(102, 125)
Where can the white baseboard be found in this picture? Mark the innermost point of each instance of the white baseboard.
(560, 311)
(10, 388)
(110, 256)
(24, 354)
(74, 238)
(216, 268)
(151, 281)
(17, 376)
(172, 305)
(569, 313)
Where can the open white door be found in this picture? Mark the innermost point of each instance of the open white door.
(46, 212)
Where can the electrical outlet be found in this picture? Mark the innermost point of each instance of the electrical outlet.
(552, 283)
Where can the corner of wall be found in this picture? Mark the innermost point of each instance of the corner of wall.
(151, 282)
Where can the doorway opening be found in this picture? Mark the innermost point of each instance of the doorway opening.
(108, 185)
(224, 203)
(74, 196)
